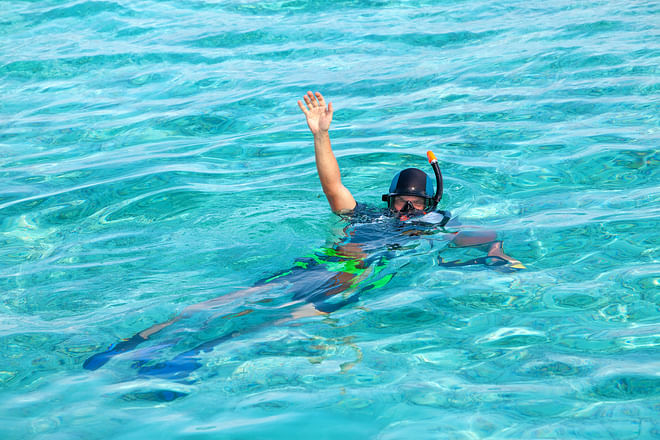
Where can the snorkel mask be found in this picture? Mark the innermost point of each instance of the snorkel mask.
(415, 182)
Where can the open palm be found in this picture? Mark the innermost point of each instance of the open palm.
(318, 115)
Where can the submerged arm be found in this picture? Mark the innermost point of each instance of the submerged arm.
(466, 238)
(483, 238)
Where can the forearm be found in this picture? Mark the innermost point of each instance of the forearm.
(466, 238)
(326, 163)
(318, 120)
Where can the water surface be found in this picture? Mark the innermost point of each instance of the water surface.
(152, 156)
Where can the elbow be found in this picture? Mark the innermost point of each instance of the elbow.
(340, 199)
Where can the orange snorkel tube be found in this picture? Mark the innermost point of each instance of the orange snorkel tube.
(438, 177)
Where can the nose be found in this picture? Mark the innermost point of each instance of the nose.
(408, 207)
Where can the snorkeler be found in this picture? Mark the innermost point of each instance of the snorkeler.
(335, 276)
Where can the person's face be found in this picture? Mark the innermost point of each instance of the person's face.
(401, 201)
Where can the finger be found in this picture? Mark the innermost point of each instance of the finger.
(308, 101)
(330, 108)
(313, 103)
(313, 99)
(302, 107)
(320, 98)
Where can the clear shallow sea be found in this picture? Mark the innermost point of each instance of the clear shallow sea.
(152, 156)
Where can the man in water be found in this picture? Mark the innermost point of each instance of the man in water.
(335, 276)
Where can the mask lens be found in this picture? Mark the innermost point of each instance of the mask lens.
(408, 203)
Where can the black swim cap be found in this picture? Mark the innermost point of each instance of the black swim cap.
(410, 182)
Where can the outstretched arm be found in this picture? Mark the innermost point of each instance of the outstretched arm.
(483, 238)
(319, 118)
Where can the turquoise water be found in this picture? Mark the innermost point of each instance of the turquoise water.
(152, 156)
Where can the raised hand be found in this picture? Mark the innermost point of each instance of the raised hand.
(318, 115)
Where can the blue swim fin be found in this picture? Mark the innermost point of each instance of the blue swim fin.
(185, 363)
(96, 361)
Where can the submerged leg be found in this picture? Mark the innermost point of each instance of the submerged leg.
(97, 360)
(187, 362)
